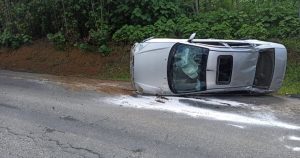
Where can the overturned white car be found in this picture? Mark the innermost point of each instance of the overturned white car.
(200, 66)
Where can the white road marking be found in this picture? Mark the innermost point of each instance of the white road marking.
(282, 138)
(290, 138)
(295, 138)
(238, 126)
(292, 148)
(172, 104)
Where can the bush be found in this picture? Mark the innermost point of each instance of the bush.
(145, 12)
(293, 46)
(181, 23)
(93, 22)
(200, 28)
(58, 39)
(124, 33)
(129, 33)
(164, 28)
(84, 47)
(100, 36)
(289, 27)
(99, 39)
(223, 30)
(7, 39)
(104, 50)
(252, 32)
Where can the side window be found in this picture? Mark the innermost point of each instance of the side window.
(225, 63)
(187, 68)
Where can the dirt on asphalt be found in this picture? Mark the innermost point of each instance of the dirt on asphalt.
(105, 86)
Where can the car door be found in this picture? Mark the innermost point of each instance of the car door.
(228, 69)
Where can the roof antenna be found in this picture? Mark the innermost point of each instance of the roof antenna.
(192, 37)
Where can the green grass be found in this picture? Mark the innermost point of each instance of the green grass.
(291, 84)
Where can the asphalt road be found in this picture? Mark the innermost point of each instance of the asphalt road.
(45, 117)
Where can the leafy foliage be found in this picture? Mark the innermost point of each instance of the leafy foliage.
(252, 31)
(262, 21)
(91, 24)
(104, 50)
(223, 30)
(7, 39)
(130, 33)
(58, 39)
(143, 12)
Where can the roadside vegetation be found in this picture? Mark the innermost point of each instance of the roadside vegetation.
(101, 26)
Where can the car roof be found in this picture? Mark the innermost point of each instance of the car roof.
(217, 43)
(195, 40)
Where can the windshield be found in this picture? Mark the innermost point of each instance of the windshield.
(187, 68)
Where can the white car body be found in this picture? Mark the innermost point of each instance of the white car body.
(171, 66)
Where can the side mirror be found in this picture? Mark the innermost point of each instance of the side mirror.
(192, 37)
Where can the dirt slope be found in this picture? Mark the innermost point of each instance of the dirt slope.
(42, 57)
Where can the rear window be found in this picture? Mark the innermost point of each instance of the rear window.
(265, 68)
(225, 63)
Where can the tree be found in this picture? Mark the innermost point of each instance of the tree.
(299, 9)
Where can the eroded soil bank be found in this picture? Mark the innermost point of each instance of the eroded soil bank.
(42, 57)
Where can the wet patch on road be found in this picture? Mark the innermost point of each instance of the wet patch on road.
(69, 118)
(49, 130)
(297, 96)
(291, 142)
(205, 108)
(139, 150)
(9, 106)
(199, 104)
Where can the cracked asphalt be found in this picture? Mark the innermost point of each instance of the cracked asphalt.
(40, 117)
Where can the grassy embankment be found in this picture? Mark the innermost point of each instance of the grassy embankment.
(291, 84)
(41, 57)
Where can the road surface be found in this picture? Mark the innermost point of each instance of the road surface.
(48, 116)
